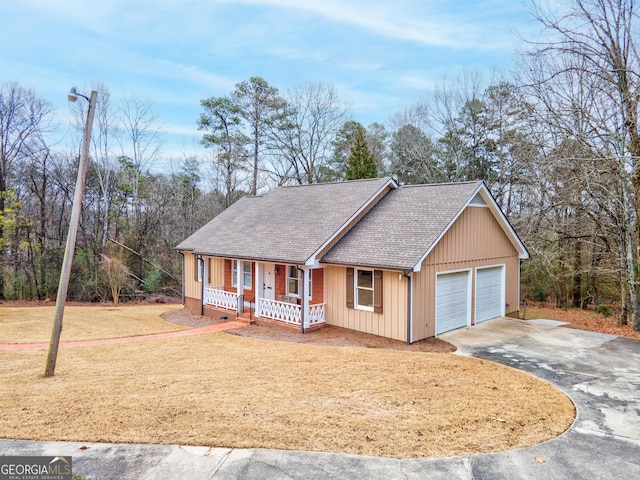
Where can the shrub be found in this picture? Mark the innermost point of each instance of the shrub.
(152, 281)
(602, 309)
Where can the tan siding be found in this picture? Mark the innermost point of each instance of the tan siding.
(192, 288)
(216, 271)
(475, 240)
(391, 323)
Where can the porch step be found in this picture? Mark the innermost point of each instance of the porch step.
(244, 318)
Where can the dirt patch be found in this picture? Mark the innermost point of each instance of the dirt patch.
(327, 335)
(583, 320)
(339, 337)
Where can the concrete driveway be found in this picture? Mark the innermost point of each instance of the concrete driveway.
(601, 374)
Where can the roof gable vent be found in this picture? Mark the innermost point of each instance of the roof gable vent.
(477, 201)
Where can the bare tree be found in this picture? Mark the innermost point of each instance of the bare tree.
(302, 138)
(586, 74)
(140, 142)
(24, 120)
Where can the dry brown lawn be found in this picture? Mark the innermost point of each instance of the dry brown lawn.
(223, 390)
(33, 324)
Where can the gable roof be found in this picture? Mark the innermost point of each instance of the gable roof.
(289, 224)
(408, 222)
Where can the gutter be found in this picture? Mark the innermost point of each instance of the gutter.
(183, 296)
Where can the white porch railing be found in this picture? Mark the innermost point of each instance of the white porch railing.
(316, 314)
(218, 297)
(290, 312)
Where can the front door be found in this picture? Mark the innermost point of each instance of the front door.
(268, 281)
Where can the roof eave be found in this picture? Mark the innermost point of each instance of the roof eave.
(396, 268)
(253, 258)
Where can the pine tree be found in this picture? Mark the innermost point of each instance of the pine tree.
(361, 163)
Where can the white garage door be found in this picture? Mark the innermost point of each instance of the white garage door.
(489, 293)
(452, 301)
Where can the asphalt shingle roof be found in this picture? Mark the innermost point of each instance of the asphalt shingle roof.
(403, 226)
(288, 224)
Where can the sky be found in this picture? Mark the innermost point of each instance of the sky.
(381, 56)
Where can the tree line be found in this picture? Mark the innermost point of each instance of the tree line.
(556, 142)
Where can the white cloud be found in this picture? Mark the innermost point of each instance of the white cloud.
(404, 20)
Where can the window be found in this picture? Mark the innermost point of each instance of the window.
(234, 273)
(364, 289)
(198, 266)
(246, 275)
(292, 281)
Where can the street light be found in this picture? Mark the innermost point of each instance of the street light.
(73, 231)
(73, 95)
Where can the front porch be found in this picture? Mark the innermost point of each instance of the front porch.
(268, 290)
(280, 311)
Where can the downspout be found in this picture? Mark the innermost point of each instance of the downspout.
(183, 295)
(201, 275)
(409, 306)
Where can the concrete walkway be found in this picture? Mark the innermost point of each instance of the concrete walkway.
(600, 373)
(106, 341)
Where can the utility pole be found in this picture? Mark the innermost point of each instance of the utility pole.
(73, 232)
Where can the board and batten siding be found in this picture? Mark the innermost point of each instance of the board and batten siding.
(215, 275)
(391, 323)
(192, 288)
(475, 240)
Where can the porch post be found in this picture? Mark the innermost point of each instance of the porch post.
(305, 298)
(240, 283)
(257, 288)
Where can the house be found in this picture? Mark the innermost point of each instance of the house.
(404, 262)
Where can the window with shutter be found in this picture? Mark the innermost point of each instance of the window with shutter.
(364, 289)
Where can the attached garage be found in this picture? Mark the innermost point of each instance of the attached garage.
(489, 293)
(452, 301)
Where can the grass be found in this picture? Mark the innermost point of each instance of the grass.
(33, 324)
(222, 390)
